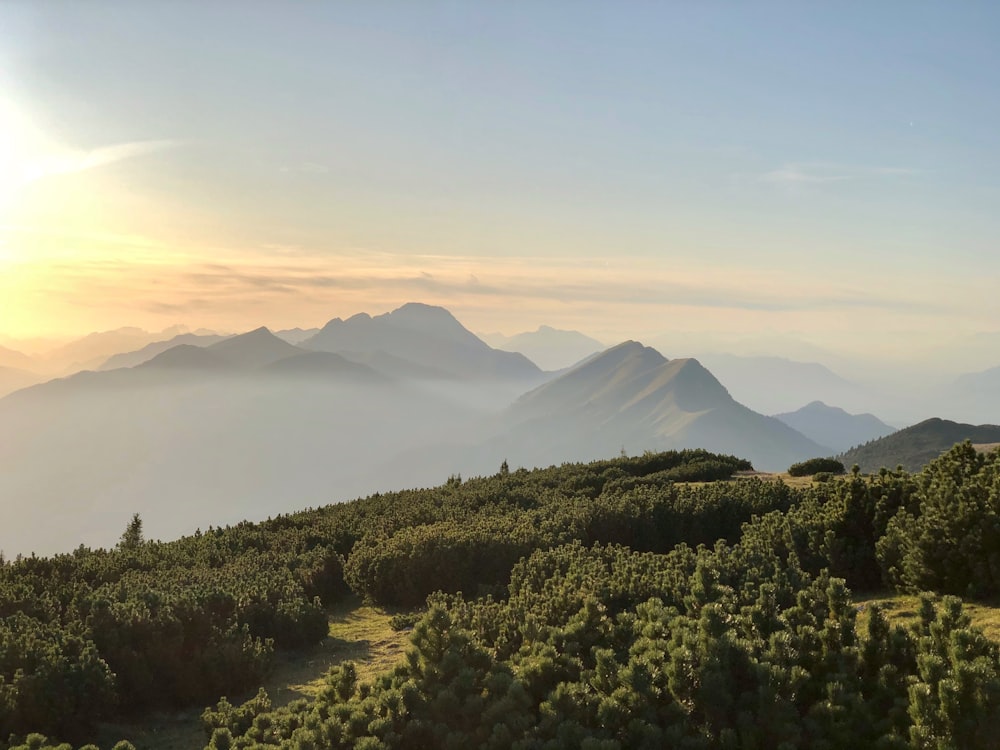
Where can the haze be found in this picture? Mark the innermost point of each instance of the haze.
(691, 172)
(810, 183)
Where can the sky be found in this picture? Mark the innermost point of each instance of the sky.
(819, 176)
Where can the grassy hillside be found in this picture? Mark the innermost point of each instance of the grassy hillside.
(914, 447)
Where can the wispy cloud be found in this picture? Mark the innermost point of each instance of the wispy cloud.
(818, 173)
(69, 161)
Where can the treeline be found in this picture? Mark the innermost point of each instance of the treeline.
(100, 633)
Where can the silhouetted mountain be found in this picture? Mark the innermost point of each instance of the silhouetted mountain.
(324, 365)
(13, 379)
(914, 446)
(974, 396)
(16, 360)
(397, 367)
(187, 357)
(550, 348)
(631, 398)
(146, 353)
(426, 335)
(91, 351)
(773, 384)
(834, 427)
(258, 348)
(296, 335)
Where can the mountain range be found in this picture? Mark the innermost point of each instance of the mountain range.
(201, 429)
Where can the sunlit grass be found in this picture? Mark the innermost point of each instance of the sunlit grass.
(904, 609)
(358, 633)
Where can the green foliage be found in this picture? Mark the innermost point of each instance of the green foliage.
(816, 465)
(601, 605)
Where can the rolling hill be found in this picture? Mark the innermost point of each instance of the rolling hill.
(915, 446)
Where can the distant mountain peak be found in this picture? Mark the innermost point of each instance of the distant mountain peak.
(425, 335)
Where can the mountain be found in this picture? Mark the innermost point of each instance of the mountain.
(146, 353)
(550, 348)
(834, 427)
(324, 365)
(914, 446)
(91, 351)
(296, 335)
(13, 379)
(184, 357)
(774, 384)
(973, 396)
(632, 398)
(257, 348)
(15, 359)
(425, 335)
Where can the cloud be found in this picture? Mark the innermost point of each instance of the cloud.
(70, 161)
(817, 173)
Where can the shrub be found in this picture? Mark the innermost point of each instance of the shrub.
(816, 465)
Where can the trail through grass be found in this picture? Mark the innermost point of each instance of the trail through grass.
(358, 633)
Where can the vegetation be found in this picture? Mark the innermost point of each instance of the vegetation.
(600, 605)
(816, 466)
(916, 446)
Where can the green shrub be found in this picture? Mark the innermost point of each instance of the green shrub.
(816, 465)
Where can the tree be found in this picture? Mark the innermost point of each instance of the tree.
(132, 538)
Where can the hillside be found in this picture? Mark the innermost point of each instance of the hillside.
(14, 378)
(834, 427)
(915, 446)
(631, 398)
(427, 336)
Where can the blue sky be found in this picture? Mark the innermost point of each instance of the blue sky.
(821, 172)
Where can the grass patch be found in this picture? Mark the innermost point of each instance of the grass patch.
(904, 609)
(358, 633)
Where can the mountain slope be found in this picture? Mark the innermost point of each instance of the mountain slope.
(914, 446)
(146, 353)
(13, 379)
(257, 348)
(834, 427)
(425, 335)
(632, 398)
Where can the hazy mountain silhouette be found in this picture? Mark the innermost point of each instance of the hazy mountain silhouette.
(631, 397)
(296, 335)
(774, 384)
(973, 396)
(256, 348)
(426, 335)
(146, 353)
(397, 367)
(324, 365)
(186, 357)
(13, 379)
(550, 348)
(833, 427)
(914, 446)
(16, 360)
(91, 351)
